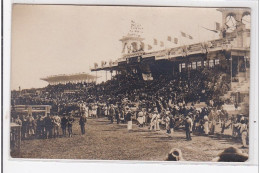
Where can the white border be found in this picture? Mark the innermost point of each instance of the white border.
(38, 165)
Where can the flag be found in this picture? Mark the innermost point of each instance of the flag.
(183, 34)
(147, 76)
(169, 38)
(102, 63)
(190, 37)
(162, 44)
(142, 46)
(149, 47)
(176, 40)
(95, 65)
(155, 41)
(217, 26)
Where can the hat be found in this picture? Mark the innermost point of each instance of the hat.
(232, 154)
(174, 155)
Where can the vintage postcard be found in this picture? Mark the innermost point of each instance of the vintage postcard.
(130, 83)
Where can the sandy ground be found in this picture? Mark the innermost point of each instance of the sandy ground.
(105, 141)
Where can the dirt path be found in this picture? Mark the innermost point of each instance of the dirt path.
(105, 141)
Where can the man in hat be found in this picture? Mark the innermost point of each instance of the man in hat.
(174, 155)
(140, 118)
(48, 126)
(243, 132)
(206, 125)
(82, 122)
(70, 122)
(117, 115)
(128, 118)
(64, 122)
(153, 120)
(188, 126)
(56, 125)
(111, 114)
(231, 154)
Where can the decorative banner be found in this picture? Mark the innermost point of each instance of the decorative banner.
(110, 63)
(183, 34)
(142, 46)
(155, 41)
(162, 44)
(186, 35)
(149, 47)
(169, 38)
(95, 65)
(103, 63)
(147, 76)
(176, 40)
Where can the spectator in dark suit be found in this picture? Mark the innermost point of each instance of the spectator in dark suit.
(82, 122)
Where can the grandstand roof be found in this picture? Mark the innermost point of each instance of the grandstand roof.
(69, 77)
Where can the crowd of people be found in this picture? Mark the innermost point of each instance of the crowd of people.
(49, 126)
(167, 100)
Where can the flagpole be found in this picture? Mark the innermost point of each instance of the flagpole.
(199, 32)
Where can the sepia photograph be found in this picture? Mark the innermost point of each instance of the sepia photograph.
(132, 83)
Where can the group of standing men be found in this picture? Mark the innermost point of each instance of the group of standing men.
(48, 126)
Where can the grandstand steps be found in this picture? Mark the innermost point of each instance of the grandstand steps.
(241, 86)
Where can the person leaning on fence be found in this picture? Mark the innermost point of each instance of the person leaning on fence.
(82, 122)
(70, 122)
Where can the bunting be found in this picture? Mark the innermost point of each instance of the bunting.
(169, 38)
(149, 47)
(183, 34)
(103, 63)
(155, 41)
(162, 44)
(217, 26)
(95, 65)
(186, 35)
(176, 40)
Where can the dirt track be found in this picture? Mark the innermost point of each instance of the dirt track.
(113, 142)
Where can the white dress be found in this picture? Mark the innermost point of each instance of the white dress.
(140, 118)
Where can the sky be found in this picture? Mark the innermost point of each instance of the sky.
(67, 39)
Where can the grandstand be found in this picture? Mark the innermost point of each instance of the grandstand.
(229, 55)
(72, 78)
